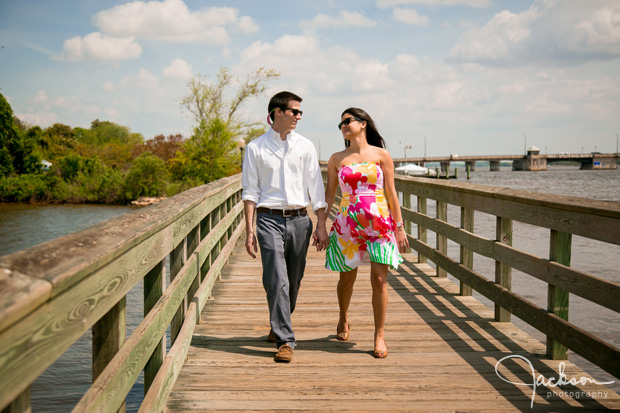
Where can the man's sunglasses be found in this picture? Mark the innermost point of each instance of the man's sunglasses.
(295, 112)
(347, 121)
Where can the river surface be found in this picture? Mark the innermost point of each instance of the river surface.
(64, 383)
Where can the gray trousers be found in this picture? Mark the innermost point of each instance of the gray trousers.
(283, 246)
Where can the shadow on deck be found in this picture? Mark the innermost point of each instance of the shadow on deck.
(443, 351)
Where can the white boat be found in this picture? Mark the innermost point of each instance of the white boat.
(415, 170)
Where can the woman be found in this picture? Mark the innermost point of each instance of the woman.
(366, 226)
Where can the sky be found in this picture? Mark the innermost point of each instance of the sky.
(439, 77)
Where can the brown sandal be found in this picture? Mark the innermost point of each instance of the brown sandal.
(343, 335)
(378, 354)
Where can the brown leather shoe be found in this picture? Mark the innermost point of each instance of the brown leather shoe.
(271, 337)
(284, 354)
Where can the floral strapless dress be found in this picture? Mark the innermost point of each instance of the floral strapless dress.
(363, 228)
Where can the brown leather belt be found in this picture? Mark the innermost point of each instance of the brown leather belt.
(283, 212)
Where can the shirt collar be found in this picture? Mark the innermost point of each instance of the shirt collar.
(292, 136)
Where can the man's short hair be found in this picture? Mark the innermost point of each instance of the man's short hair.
(280, 100)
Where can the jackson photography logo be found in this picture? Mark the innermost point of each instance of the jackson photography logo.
(552, 382)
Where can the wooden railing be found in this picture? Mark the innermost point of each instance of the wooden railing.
(51, 294)
(562, 216)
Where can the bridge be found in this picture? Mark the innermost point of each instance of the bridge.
(532, 161)
(447, 350)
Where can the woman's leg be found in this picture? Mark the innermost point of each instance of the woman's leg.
(345, 292)
(378, 279)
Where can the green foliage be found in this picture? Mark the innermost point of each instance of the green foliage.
(107, 163)
(146, 177)
(105, 132)
(70, 166)
(6, 162)
(210, 154)
(18, 152)
(26, 188)
(105, 186)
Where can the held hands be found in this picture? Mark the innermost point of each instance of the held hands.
(320, 239)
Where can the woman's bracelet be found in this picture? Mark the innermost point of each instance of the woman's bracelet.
(399, 224)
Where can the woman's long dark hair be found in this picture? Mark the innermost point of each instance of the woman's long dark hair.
(372, 134)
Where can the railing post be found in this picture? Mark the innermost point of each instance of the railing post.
(503, 272)
(177, 259)
(153, 290)
(205, 226)
(467, 255)
(557, 298)
(407, 204)
(108, 336)
(192, 243)
(422, 232)
(20, 404)
(442, 241)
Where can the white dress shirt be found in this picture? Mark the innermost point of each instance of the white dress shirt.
(281, 174)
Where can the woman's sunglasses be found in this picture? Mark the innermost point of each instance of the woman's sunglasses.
(347, 121)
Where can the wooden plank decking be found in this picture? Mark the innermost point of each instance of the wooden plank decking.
(443, 349)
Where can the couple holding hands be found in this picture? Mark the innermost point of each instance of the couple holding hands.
(281, 177)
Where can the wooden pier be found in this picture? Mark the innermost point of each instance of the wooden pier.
(443, 350)
(210, 307)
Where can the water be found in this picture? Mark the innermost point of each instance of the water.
(64, 383)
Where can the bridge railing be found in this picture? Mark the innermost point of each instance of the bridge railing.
(53, 293)
(562, 216)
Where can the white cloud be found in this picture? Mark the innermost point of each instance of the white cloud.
(178, 69)
(98, 46)
(143, 80)
(246, 25)
(343, 20)
(42, 119)
(73, 104)
(424, 95)
(108, 87)
(471, 3)
(549, 32)
(172, 21)
(41, 97)
(410, 16)
(602, 30)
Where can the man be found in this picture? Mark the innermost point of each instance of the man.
(281, 176)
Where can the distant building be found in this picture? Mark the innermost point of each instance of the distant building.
(533, 150)
(46, 165)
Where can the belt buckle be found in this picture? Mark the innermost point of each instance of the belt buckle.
(287, 214)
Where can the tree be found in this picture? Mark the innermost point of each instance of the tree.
(146, 177)
(163, 147)
(211, 153)
(105, 132)
(18, 152)
(208, 101)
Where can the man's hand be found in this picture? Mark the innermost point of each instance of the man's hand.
(320, 239)
(251, 246)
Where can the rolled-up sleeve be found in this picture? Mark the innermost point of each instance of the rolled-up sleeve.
(316, 189)
(249, 176)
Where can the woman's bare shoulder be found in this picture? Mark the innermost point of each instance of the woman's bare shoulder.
(337, 158)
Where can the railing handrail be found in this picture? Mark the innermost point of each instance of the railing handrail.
(54, 292)
(562, 215)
